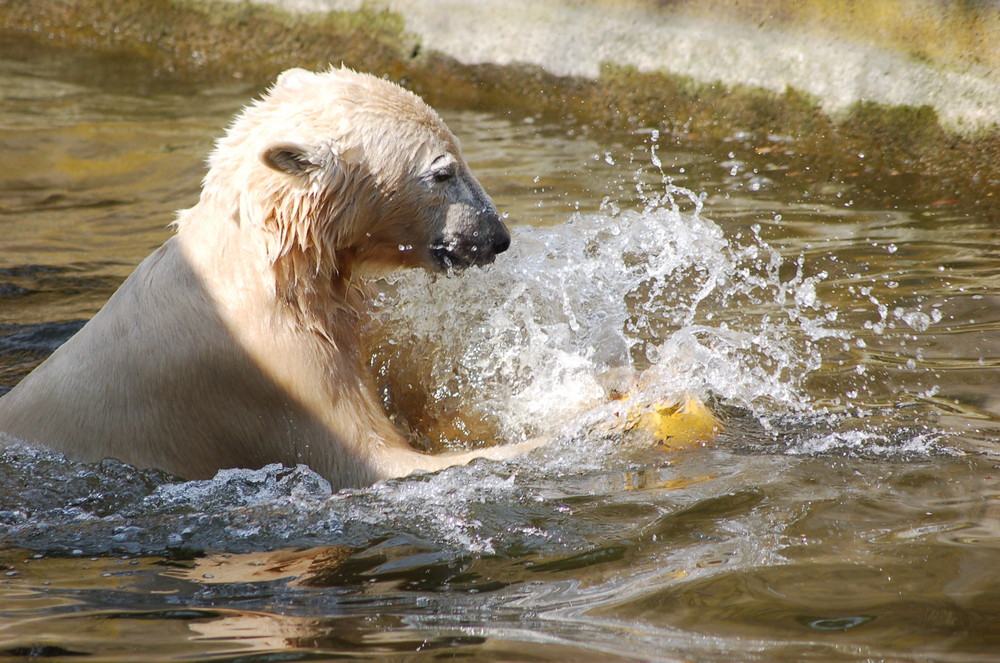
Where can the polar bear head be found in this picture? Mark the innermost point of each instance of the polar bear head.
(343, 174)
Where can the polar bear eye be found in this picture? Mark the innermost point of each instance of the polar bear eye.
(443, 169)
(443, 174)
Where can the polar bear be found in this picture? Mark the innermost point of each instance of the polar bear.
(236, 343)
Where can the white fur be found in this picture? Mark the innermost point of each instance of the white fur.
(236, 343)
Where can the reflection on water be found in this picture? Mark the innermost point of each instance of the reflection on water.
(848, 511)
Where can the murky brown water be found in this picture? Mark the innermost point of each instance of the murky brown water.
(848, 513)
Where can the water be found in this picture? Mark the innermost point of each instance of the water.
(849, 345)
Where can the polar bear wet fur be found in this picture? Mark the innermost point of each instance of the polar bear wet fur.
(236, 343)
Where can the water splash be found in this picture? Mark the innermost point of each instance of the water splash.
(528, 342)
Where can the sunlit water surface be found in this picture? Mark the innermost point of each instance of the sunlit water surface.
(847, 512)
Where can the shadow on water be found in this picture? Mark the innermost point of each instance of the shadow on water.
(847, 512)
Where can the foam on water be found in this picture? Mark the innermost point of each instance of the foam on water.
(868, 443)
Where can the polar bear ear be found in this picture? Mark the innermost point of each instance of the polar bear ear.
(290, 158)
(294, 79)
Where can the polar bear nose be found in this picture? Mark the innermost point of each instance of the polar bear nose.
(502, 242)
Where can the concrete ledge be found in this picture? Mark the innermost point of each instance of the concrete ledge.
(892, 52)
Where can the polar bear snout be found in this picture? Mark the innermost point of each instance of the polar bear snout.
(473, 232)
(475, 243)
(459, 253)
